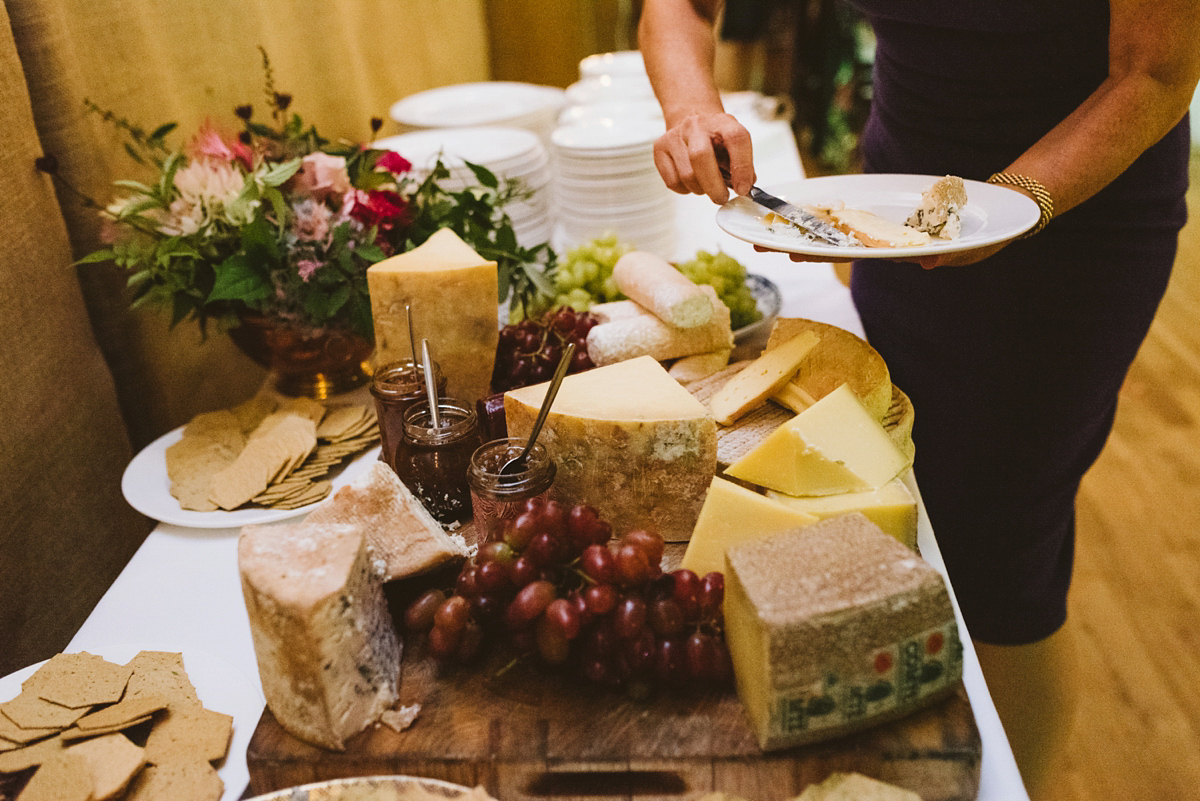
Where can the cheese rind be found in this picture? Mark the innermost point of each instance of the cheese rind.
(732, 515)
(834, 628)
(832, 447)
(628, 440)
(891, 507)
(452, 291)
(764, 376)
(327, 651)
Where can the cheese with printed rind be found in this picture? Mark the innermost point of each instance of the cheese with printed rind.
(327, 650)
(836, 627)
(891, 507)
(834, 446)
(732, 515)
(763, 377)
(452, 292)
(628, 440)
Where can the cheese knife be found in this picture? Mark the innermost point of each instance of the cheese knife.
(804, 220)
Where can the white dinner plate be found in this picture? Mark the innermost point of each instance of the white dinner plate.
(147, 489)
(481, 103)
(220, 686)
(993, 214)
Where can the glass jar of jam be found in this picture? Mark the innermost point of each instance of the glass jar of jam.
(396, 386)
(433, 462)
(498, 498)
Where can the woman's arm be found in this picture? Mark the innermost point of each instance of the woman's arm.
(677, 39)
(1153, 68)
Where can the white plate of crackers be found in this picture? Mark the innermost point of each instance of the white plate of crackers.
(128, 721)
(264, 460)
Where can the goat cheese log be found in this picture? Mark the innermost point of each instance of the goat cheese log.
(661, 288)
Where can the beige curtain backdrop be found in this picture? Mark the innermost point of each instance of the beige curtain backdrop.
(157, 61)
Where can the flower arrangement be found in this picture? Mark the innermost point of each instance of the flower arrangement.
(278, 221)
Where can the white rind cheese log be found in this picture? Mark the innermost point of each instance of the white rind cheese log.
(661, 288)
(327, 651)
(627, 439)
(452, 291)
(614, 310)
(700, 365)
(836, 627)
(398, 527)
(628, 338)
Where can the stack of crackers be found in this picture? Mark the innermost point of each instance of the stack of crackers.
(90, 729)
(266, 452)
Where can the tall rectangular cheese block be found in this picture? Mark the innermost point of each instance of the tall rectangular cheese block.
(327, 651)
(452, 291)
(831, 447)
(836, 627)
(732, 515)
(891, 507)
(627, 439)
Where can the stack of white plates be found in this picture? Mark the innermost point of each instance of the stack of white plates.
(505, 103)
(512, 153)
(605, 182)
(621, 62)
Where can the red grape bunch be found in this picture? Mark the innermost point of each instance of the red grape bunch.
(559, 586)
(529, 351)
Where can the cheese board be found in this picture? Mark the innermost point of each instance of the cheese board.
(526, 733)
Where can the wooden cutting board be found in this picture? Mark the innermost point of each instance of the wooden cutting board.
(526, 734)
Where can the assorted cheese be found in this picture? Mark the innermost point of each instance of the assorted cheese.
(627, 439)
(839, 358)
(833, 628)
(834, 446)
(891, 507)
(763, 377)
(327, 649)
(452, 292)
(731, 515)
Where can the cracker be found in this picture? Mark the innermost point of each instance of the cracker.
(261, 461)
(15, 734)
(250, 413)
(161, 673)
(27, 756)
(306, 407)
(62, 777)
(340, 419)
(30, 712)
(319, 490)
(73, 734)
(189, 781)
(188, 734)
(213, 425)
(80, 679)
(113, 760)
(123, 713)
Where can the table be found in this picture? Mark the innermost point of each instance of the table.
(181, 590)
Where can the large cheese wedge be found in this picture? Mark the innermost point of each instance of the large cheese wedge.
(627, 439)
(452, 291)
(398, 528)
(833, 446)
(731, 515)
(326, 647)
(839, 358)
(891, 507)
(762, 378)
(833, 628)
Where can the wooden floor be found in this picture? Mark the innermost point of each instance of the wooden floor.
(1135, 603)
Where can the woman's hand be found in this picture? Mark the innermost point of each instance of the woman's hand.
(690, 154)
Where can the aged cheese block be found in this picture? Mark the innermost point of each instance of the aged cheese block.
(399, 529)
(833, 628)
(834, 446)
(839, 358)
(891, 507)
(731, 515)
(452, 291)
(327, 650)
(762, 378)
(627, 439)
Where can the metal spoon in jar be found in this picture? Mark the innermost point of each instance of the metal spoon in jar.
(517, 463)
(435, 418)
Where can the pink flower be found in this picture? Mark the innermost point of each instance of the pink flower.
(306, 267)
(321, 175)
(209, 144)
(394, 163)
(312, 219)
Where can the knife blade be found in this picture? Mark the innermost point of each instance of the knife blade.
(804, 220)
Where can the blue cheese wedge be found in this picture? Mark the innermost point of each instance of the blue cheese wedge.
(940, 211)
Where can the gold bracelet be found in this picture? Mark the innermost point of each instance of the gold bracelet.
(1044, 201)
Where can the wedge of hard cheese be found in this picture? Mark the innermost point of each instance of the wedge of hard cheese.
(732, 515)
(834, 446)
(763, 377)
(326, 647)
(839, 358)
(833, 628)
(399, 529)
(452, 291)
(891, 507)
(627, 439)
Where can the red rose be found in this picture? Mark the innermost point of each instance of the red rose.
(394, 163)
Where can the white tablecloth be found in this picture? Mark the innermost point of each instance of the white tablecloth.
(181, 591)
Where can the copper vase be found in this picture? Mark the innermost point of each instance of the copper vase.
(305, 361)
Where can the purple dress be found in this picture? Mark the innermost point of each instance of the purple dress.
(1013, 364)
